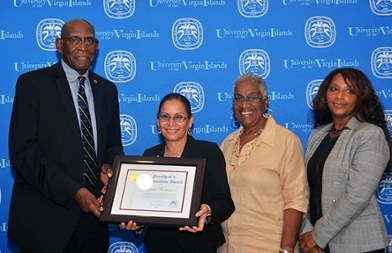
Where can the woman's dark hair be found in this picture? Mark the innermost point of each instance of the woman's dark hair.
(179, 97)
(368, 109)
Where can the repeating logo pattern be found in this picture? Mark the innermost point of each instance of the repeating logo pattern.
(252, 8)
(320, 32)
(120, 66)
(255, 61)
(48, 30)
(187, 34)
(193, 92)
(123, 247)
(207, 54)
(381, 62)
(381, 7)
(311, 91)
(119, 9)
(128, 129)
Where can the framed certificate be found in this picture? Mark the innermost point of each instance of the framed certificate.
(159, 191)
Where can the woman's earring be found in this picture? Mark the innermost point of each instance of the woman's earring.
(159, 131)
(190, 131)
(268, 113)
(233, 118)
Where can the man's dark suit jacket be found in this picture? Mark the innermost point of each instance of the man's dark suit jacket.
(215, 193)
(47, 154)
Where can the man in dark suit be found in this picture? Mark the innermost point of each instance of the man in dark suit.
(54, 205)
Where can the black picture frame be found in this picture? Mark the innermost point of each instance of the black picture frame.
(159, 191)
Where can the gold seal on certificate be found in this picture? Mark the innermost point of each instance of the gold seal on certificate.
(154, 190)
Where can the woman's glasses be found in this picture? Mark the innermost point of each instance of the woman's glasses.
(251, 99)
(178, 118)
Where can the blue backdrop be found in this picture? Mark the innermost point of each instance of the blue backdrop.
(198, 48)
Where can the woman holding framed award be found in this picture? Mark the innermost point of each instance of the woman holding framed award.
(175, 121)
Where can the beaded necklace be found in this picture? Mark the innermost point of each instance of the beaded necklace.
(335, 131)
(238, 146)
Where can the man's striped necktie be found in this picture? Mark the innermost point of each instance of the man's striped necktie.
(90, 160)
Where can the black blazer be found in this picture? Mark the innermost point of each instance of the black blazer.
(46, 152)
(215, 193)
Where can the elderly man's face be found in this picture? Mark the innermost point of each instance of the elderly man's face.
(78, 54)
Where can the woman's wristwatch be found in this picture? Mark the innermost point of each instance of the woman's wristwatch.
(283, 251)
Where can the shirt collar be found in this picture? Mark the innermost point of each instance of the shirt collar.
(71, 74)
(267, 136)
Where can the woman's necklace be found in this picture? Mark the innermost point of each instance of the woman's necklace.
(250, 135)
(164, 153)
(237, 146)
(335, 131)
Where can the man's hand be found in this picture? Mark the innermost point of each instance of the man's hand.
(106, 174)
(88, 203)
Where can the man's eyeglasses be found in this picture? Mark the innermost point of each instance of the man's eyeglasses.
(75, 41)
(178, 118)
(252, 99)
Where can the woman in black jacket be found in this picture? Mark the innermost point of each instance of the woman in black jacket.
(175, 120)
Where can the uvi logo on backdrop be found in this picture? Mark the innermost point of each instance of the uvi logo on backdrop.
(119, 8)
(311, 91)
(384, 190)
(193, 92)
(381, 8)
(120, 66)
(381, 62)
(48, 30)
(320, 32)
(252, 9)
(187, 34)
(123, 247)
(254, 61)
(128, 129)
